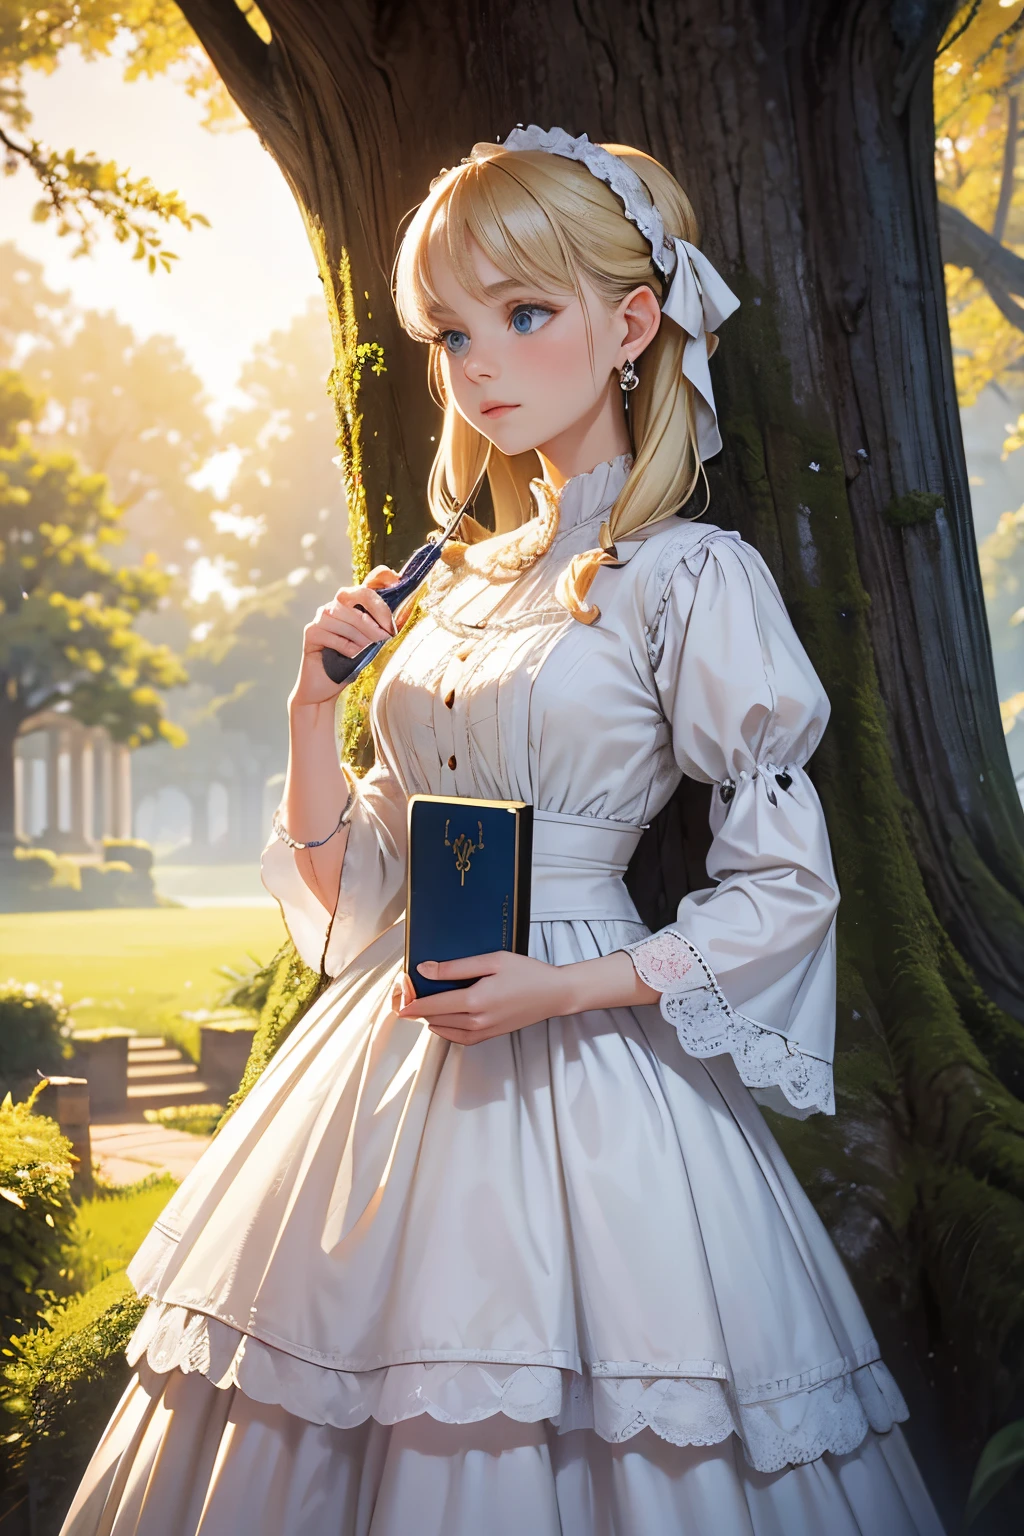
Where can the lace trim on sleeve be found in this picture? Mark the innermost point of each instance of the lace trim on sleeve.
(693, 1002)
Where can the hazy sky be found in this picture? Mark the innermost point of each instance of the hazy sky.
(235, 282)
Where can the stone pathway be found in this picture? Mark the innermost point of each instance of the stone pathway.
(125, 1151)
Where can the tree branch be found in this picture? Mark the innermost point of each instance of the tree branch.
(1009, 167)
(242, 60)
(1007, 307)
(966, 244)
(962, 28)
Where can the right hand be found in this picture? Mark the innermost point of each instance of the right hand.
(340, 626)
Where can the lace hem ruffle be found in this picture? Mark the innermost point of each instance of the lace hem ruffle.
(833, 1415)
(693, 1002)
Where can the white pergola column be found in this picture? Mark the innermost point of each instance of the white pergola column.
(121, 778)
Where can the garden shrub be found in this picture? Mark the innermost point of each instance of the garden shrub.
(39, 880)
(249, 989)
(36, 867)
(197, 1119)
(116, 884)
(129, 850)
(40, 869)
(60, 1388)
(292, 991)
(36, 1213)
(34, 1031)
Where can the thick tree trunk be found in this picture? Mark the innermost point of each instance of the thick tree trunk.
(804, 134)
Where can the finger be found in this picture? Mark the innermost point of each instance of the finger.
(381, 576)
(317, 638)
(460, 1036)
(403, 992)
(470, 967)
(379, 609)
(352, 613)
(354, 626)
(442, 1004)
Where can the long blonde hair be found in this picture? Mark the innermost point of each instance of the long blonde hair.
(547, 221)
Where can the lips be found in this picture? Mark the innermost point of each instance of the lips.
(494, 408)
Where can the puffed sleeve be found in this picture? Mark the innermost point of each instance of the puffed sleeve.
(372, 889)
(748, 966)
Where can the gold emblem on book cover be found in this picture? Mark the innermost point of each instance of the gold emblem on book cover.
(463, 847)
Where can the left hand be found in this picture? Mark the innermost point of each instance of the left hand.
(512, 991)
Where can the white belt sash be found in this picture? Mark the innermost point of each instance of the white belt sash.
(578, 865)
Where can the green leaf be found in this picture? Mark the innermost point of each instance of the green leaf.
(1001, 1459)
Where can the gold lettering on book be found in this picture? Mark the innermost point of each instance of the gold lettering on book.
(464, 848)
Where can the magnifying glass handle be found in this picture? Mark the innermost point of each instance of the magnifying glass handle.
(342, 669)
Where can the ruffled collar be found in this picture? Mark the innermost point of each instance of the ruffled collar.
(592, 494)
(502, 557)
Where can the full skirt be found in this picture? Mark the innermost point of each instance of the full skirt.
(562, 1282)
(182, 1457)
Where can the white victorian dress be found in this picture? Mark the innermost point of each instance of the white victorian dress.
(562, 1281)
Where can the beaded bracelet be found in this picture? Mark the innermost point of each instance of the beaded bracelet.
(281, 831)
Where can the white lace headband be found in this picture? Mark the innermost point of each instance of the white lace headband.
(698, 299)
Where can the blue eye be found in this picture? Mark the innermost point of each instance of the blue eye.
(528, 318)
(455, 342)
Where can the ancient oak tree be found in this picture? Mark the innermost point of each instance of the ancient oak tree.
(804, 133)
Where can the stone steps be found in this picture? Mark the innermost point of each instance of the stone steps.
(161, 1076)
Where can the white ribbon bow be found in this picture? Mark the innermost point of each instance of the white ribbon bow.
(698, 300)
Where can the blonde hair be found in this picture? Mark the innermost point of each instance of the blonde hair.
(547, 221)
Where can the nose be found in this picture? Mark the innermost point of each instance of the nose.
(479, 368)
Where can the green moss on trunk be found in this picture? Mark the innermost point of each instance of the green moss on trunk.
(921, 1175)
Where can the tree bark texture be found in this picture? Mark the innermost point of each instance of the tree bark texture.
(802, 130)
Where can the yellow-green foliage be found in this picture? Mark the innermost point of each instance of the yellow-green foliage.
(108, 1228)
(33, 1030)
(35, 1212)
(196, 1119)
(61, 1380)
(41, 869)
(350, 357)
(292, 991)
(133, 851)
(59, 1389)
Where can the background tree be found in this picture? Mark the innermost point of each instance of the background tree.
(978, 125)
(273, 549)
(805, 134)
(67, 613)
(248, 566)
(286, 487)
(130, 409)
(978, 84)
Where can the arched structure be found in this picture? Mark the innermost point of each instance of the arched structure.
(81, 793)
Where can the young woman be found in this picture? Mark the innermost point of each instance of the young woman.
(523, 1257)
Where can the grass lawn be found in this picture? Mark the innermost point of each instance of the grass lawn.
(137, 967)
(109, 1228)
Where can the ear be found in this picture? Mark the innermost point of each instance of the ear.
(641, 317)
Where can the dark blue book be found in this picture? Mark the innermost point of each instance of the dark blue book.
(469, 881)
